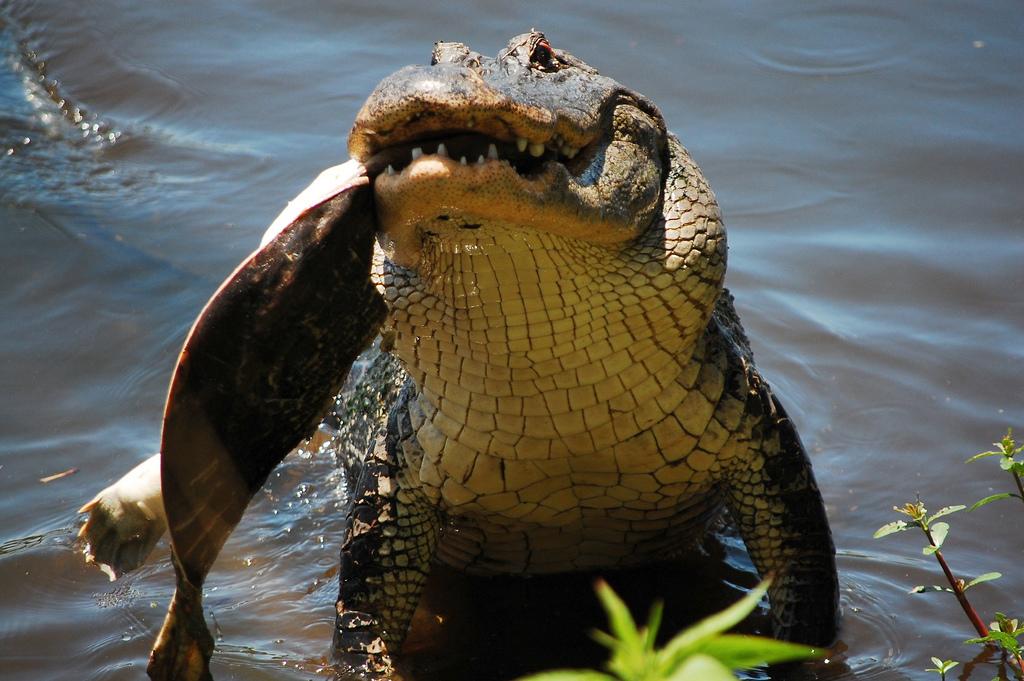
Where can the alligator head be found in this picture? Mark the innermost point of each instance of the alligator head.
(533, 137)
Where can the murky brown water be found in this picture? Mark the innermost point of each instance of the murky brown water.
(870, 162)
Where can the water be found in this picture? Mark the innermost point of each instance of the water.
(870, 161)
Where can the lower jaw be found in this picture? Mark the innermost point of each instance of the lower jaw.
(435, 189)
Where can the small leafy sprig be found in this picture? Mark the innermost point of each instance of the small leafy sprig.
(936, 534)
(702, 652)
(941, 667)
(1007, 449)
(1004, 633)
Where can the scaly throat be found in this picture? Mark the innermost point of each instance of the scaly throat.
(515, 289)
(529, 301)
(517, 329)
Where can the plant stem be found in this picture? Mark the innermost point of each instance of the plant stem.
(1020, 486)
(958, 591)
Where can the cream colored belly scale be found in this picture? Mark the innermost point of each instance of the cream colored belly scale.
(564, 417)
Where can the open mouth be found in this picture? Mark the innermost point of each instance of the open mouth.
(467, 148)
(436, 174)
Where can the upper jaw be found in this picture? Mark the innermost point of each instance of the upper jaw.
(422, 103)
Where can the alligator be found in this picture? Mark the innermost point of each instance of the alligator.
(544, 261)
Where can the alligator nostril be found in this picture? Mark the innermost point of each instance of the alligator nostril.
(448, 53)
(457, 54)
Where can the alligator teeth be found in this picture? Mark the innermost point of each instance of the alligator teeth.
(534, 149)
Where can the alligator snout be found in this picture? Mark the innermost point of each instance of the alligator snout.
(424, 102)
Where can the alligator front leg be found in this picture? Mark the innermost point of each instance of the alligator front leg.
(775, 501)
(389, 543)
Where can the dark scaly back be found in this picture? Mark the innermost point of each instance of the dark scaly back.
(799, 552)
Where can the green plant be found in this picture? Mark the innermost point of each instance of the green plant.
(1007, 449)
(702, 652)
(941, 667)
(936, 534)
(1004, 632)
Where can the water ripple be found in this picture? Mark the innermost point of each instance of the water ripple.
(12, 546)
(869, 620)
(832, 41)
(774, 187)
(55, 108)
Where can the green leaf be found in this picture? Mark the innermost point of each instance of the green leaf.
(890, 528)
(989, 499)
(738, 651)
(688, 640)
(1003, 640)
(946, 510)
(607, 640)
(982, 455)
(625, 645)
(1009, 625)
(939, 532)
(1007, 463)
(942, 666)
(569, 675)
(650, 631)
(701, 668)
(619, 619)
(987, 577)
